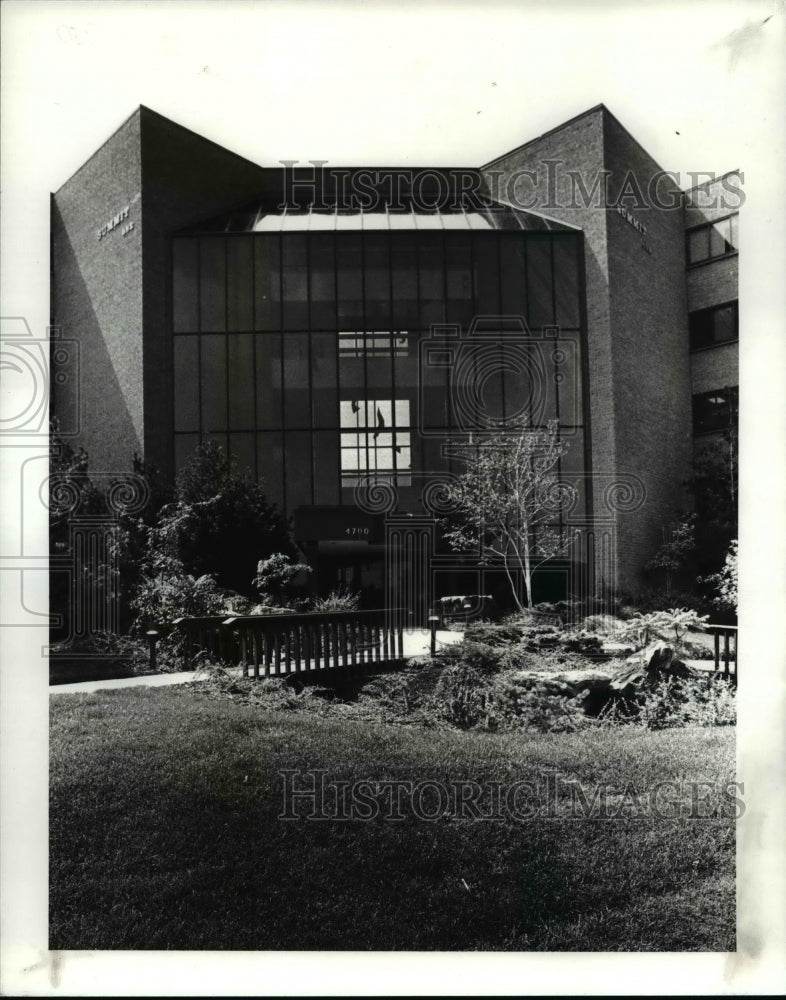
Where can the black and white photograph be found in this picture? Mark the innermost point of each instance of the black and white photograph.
(392, 447)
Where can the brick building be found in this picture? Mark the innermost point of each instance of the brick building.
(338, 331)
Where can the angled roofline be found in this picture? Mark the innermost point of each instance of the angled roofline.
(551, 131)
(141, 110)
(203, 138)
(98, 149)
(711, 180)
(557, 128)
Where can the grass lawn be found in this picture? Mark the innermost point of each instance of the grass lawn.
(165, 834)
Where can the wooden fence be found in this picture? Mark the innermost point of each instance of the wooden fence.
(726, 649)
(285, 644)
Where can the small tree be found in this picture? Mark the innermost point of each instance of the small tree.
(506, 501)
(677, 545)
(278, 579)
(725, 582)
(220, 522)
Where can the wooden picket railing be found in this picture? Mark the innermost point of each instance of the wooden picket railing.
(284, 644)
(726, 635)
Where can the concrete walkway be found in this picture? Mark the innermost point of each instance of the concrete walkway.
(416, 643)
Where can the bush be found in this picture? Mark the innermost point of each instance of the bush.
(669, 626)
(173, 593)
(703, 701)
(461, 697)
(492, 635)
(538, 705)
(478, 656)
(336, 600)
(584, 643)
(279, 580)
(220, 522)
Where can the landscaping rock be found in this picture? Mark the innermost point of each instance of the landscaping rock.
(570, 684)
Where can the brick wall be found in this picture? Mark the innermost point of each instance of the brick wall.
(649, 337)
(637, 352)
(97, 298)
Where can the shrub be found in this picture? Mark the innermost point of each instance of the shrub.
(478, 656)
(584, 643)
(605, 625)
(279, 580)
(172, 593)
(670, 626)
(337, 600)
(492, 635)
(220, 522)
(461, 696)
(537, 705)
(703, 701)
(725, 582)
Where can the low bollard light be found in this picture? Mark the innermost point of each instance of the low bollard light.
(433, 621)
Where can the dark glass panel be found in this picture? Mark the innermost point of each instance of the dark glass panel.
(350, 281)
(323, 281)
(212, 284)
(539, 287)
(513, 278)
(433, 407)
(268, 380)
(296, 380)
(270, 466)
(735, 236)
(715, 411)
(458, 260)
(376, 283)
(404, 281)
(566, 280)
(185, 446)
(725, 324)
(431, 278)
(267, 278)
(717, 325)
(720, 238)
(486, 275)
(294, 249)
(241, 382)
(522, 379)
(220, 440)
(185, 295)
(297, 447)
(213, 376)
(326, 467)
(186, 383)
(240, 283)
(431, 459)
(324, 379)
(243, 450)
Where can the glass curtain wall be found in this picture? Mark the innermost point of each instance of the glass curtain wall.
(319, 358)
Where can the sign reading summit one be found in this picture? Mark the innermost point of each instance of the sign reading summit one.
(114, 222)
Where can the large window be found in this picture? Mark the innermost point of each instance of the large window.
(713, 239)
(717, 325)
(373, 344)
(375, 440)
(715, 411)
